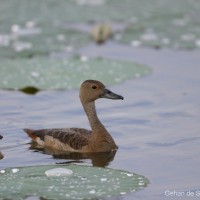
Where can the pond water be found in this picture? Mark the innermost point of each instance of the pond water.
(156, 126)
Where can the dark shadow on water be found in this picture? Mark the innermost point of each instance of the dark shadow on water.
(97, 159)
(1, 156)
(95, 198)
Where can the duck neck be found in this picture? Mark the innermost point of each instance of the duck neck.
(94, 121)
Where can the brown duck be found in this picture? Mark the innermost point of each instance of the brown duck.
(78, 139)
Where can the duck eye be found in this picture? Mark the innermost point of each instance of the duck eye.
(94, 87)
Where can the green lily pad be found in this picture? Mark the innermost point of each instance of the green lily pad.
(158, 23)
(65, 73)
(85, 183)
(168, 30)
(162, 23)
(40, 40)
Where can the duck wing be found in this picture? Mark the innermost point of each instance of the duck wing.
(68, 139)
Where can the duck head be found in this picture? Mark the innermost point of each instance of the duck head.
(92, 90)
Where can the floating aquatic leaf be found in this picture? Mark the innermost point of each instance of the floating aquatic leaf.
(65, 73)
(85, 183)
(52, 38)
(160, 23)
(157, 33)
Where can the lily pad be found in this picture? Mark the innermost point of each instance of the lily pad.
(163, 23)
(85, 183)
(65, 73)
(25, 32)
(40, 40)
(167, 30)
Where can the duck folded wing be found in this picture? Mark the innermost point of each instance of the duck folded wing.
(70, 139)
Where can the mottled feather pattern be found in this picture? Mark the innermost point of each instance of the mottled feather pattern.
(74, 137)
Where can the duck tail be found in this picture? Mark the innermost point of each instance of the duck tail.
(30, 133)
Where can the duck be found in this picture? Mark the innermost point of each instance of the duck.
(1, 137)
(82, 140)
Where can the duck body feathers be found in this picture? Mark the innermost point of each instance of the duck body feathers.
(67, 139)
(73, 140)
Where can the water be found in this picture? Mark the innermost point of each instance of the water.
(156, 126)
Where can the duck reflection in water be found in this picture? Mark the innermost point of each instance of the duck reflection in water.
(100, 159)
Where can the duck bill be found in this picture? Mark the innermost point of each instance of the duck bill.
(111, 95)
